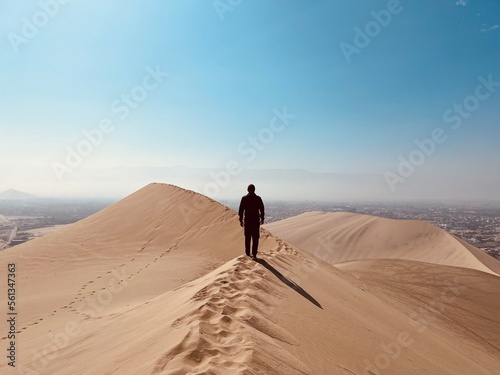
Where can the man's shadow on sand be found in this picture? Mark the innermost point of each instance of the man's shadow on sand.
(288, 282)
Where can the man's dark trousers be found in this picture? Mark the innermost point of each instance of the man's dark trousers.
(252, 233)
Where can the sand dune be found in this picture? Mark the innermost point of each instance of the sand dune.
(341, 237)
(152, 286)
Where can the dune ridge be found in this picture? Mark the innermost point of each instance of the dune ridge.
(227, 324)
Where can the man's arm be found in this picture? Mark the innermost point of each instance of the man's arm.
(241, 210)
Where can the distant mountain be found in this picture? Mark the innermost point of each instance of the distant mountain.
(12, 194)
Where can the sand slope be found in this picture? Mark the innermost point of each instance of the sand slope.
(454, 301)
(341, 237)
(141, 289)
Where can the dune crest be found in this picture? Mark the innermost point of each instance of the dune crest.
(227, 323)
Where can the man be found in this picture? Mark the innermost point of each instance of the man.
(251, 217)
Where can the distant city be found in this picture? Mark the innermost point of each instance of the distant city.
(24, 217)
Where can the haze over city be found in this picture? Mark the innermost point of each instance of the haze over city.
(344, 100)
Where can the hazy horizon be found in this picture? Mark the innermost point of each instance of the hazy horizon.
(239, 190)
(336, 101)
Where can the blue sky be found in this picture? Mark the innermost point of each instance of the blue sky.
(229, 67)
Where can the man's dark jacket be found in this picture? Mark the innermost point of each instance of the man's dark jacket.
(251, 212)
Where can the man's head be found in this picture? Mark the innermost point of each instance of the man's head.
(251, 188)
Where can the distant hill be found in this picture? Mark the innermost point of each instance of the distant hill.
(12, 194)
